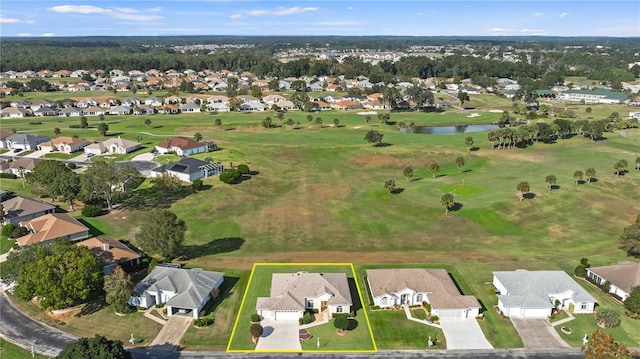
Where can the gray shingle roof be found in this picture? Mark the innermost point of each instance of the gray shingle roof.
(624, 275)
(531, 289)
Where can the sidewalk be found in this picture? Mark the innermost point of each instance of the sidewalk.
(565, 320)
(407, 312)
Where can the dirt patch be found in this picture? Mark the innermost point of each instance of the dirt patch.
(514, 155)
(556, 231)
(375, 160)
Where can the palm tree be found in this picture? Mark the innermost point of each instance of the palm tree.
(56, 131)
(103, 128)
(577, 175)
(319, 121)
(147, 122)
(412, 126)
(336, 122)
(551, 180)
(590, 173)
(468, 141)
(459, 162)
(218, 122)
(522, 188)
(21, 174)
(197, 136)
(447, 201)
(367, 119)
(390, 185)
(407, 172)
(434, 168)
(638, 163)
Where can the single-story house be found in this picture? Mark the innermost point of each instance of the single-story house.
(182, 146)
(593, 96)
(19, 209)
(621, 277)
(189, 169)
(144, 110)
(14, 112)
(320, 106)
(153, 101)
(52, 226)
(347, 105)
(252, 106)
(183, 291)
(23, 165)
(64, 144)
(294, 293)
(45, 111)
(190, 107)
(23, 141)
(536, 294)
(218, 107)
(111, 252)
(112, 145)
(412, 286)
(120, 110)
(93, 110)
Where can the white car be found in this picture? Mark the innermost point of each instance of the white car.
(89, 155)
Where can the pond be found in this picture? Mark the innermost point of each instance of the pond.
(450, 130)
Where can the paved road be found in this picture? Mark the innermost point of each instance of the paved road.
(24, 331)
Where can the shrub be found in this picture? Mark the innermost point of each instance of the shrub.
(230, 176)
(35, 123)
(197, 184)
(435, 318)
(352, 314)
(159, 305)
(255, 318)
(427, 306)
(256, 330)
(244, 169)
(72, 166)
(75, 126)
(8, 175)
(315, 311)
(376, 307)
(607, 318)
(632, 303)
(203, 322)
(341, 322)
(581, 270)
(7, 229)
(91, 210)
(307, 318)
(606, 286)
(19, 232)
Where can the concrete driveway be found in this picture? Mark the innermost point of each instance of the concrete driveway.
(538, 334)
(172, 332)
(279, 335)
(37, 154)
(147, 156)
(464, 334)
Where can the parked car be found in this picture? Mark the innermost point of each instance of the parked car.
(89, 155)
(17, 150)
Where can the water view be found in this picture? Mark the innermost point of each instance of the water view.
(450, 130)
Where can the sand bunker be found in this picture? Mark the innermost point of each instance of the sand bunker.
(473, 115)
(496, 111)
(368, 113)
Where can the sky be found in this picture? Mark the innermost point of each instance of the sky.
(339, 17)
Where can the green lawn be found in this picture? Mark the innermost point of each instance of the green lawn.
(392, 330)
(6, 244)
(12, 351)
(259, 286)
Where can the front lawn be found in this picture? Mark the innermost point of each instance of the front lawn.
(6, 244)
(331, 341)
(60, 156)
(392, 330)
(12, 351)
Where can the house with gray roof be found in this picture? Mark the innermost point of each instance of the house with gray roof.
(183, 291)
(621, 277)
(189, 169)
(19, 209)
(294, 293)
(536, 294)
(412, 286)
(23, 141)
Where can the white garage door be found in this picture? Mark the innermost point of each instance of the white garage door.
(267, 314)
(450, 313)
(287, 315)
(536, 313)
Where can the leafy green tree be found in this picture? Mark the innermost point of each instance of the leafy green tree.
(197, 184)
(197, 136)
(108, 181)
(67, 185)
(607, 318)
(632, 303)
(289, 122)
(373, 137)
(390, 185)
(162, 232)
(551, 180)
(61, 274)
(256, 91)
(243, 169)
(434, 168)
(101, 117)
(230, 176)
(98, 347)
(56, 132)
(147, 122)
(266, 122)
(588, 110)
(83, 122)
(407, 172)
(319, 121)
(577, 175)
(459, 162)
(603, 346)
(341, 322)
(256, 331)
(463, 97)
(232, 86)
(166, 182)
(118, 288)
(620, 166)
(103, 128)
(468, 141)
(630, 240)
(218, 121)
(590, 173)
(53, 179)
(336, 122)
(447, 201)
(637, 163)
(523, 188)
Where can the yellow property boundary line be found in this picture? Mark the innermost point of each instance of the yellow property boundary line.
(244, 297)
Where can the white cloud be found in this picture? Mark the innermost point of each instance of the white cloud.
(80, 9)
(236, 16)
(501, 31)
(155, 9)
(563, 14)
(126, 10)
(538, 14)
(48, 34)
(25, 34)
(419, 14)
(282, 11)
(350, 8)
(30, 22)
(136, 17)
(536, 32)
(7, 20)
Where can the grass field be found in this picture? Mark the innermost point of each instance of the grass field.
(12, 351)
(318, 196)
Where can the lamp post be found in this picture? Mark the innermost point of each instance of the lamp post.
(132, 340)
(318, 343)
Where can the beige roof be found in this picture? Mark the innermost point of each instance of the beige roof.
(109, 250)
(624, 275)
(50, 226)
(180, 142)
(289, 291)
(440, 289)
(120, 142)
(71, 141)
(25, 162)
(23, 206)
